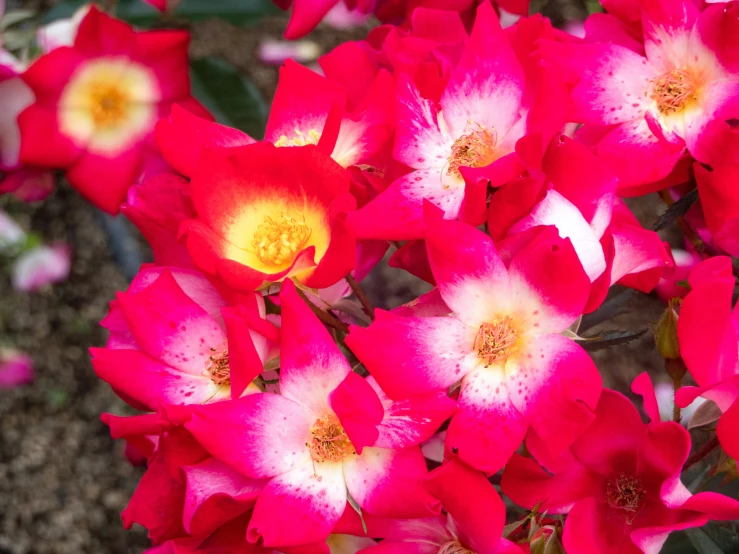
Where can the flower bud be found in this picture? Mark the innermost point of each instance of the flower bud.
(545, 541)
(665, 334)
(676, 369)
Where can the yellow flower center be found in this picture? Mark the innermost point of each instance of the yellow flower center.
(108, 104)
(453, 547)
(278, 240)
(474, 149)
(300, 139)
(219, 370)
(329, 442)
(626, 493)
(496, 341)
(674, 90)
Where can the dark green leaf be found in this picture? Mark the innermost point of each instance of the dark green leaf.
(702, 542)
(678, 209)
(607, 339)
(236, 12)
(231, 98)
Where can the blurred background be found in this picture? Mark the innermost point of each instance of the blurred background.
(63, 481)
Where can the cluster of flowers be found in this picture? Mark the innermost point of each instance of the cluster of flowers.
(282, 416)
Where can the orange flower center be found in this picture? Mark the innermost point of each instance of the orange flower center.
(329, 442)
(453, 547)
(108, 104)
(300, 138)
(674, 90)
(278, 240)
(475, 149)
(496, 341)
(219, 370)
(625, 493)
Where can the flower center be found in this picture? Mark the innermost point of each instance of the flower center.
(453, 547)
(108, 104)
(219, 370)
(475, 149)
(277, 240)
(496, 341)
(674, 90)
(625, 493)
(329, 442)
(300, 138)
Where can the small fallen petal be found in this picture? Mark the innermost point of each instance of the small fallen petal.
(277, 51)
(41, 266)
(16, 369)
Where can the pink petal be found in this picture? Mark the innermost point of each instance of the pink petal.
(306, 15)
(359, 410)
(468, 271)
(726, 431)
(548, 283)
(473, 503)
(528, 484)
(613, 438)
(555, 209)
(636, 155)
(302, 102)
(431, 353)
(642, 385)
(418, 141)
(397, 212)
(589, 530)
(487, 85)
(41, 266)
(300, 506)
(412, 421)
(149, 381)
(215, 493)
(311, 364)
(557, 385)
(260, 435)
(487, 428)
(170, 326)
(15, 369)
(708, 339)
(388, 482)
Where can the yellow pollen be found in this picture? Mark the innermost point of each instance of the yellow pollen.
(474, 149)
(625, 493)
(329, 442)
(278, 240)
(219, 370)
(453, 547)
(674, 90)
(300, 138)
(108, 104)
(496, 341)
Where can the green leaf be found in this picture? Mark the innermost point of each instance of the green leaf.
(137, 12)
(231, 98)
(702, 542)
(607, 339)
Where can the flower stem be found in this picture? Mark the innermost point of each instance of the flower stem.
(676, 415)
(325, 317)
(357, 289)
(704, 451)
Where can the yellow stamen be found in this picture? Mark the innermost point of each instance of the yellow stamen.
(496, 341)
(453, 547)
(474, 149)
(219, 369)
(108, 104)
(300, 139)
(329, 442)
(674, 90)
(626, 493)
(278, 240)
